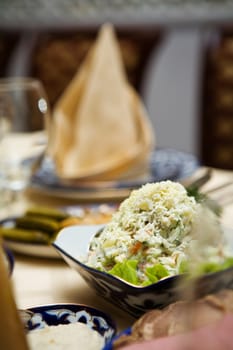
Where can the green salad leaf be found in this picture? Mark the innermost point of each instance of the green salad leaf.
(155, 273)
(184, 267)
(210, 267)
(127, 270)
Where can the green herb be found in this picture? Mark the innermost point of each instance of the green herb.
(203, 198)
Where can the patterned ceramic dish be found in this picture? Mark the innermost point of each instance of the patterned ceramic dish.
(10, 261)
(163, 164)
(110, 344)
(52, 315)
(73, 242)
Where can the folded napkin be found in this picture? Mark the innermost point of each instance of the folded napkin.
(100, 128)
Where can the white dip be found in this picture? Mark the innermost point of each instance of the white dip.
(65, 336)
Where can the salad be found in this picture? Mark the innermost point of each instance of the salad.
(150, 235)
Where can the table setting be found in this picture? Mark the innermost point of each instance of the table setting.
(91, 168)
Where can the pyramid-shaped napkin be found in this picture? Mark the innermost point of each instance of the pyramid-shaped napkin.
(100, 128)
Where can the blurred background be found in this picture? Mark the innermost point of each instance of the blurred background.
(178, 55)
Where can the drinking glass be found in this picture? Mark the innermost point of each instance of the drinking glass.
(24, 113)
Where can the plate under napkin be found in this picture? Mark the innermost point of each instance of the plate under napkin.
(164, 164)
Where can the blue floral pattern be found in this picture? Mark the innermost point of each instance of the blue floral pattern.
(133, 299)
(52, 315)
(163, 163)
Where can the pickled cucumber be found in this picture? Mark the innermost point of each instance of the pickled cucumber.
(47, 213)
(30, 236)
(37, 223)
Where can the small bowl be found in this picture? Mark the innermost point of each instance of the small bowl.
(73, 242)
(110, 344)
(55, 314)
(9, 258)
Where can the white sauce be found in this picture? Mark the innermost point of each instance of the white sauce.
(65, 336)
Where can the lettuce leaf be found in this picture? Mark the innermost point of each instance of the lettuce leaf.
(210, 267)
(127, 270)
(184, 267)
(155, 273)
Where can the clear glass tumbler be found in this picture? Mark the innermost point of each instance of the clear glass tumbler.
(24, 113)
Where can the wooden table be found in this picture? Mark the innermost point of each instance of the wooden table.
(40, 281)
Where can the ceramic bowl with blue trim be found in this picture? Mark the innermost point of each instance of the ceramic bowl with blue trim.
(73, 242)
(57, 314)
(9, 260)
(110, 344)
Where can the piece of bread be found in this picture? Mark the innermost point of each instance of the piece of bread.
(178, 318)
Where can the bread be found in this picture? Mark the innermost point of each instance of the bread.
(178, 318)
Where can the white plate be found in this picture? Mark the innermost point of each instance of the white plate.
(164, 164)
(37, 250)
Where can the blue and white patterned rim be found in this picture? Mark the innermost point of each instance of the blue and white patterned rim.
(164, 164)
(52, 315)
